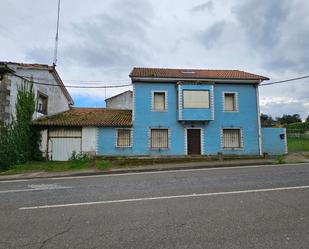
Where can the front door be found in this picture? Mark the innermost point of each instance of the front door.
(194, 141)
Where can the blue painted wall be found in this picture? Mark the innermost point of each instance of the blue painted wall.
(196, 114)
(145, 118)
(273, 144)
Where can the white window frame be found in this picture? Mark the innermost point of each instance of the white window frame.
(168, 138)
(165, 100)
(235, 101)
(131, 138)
(241, 138)
(195, 90)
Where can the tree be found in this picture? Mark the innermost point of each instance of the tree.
(19, 140)
(267, 120)
(307, 119)
(25, 106)
(289, 119)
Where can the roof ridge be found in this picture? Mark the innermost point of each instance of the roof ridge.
(194, 69)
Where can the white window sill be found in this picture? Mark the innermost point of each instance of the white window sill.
(241, 148)
(159, 148)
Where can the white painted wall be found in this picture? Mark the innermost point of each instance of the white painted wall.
(63, 141)
(43, 144)
(89, 140)
(57, 102)
(121, 101)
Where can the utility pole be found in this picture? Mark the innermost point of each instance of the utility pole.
(56, 39)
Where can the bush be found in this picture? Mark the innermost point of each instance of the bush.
(280, 160)
(82, 157)
(298, 125)
(19, 142)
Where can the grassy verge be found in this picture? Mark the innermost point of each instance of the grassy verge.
(105, 163)
(52, 166)
(48, 166)
(298, 144)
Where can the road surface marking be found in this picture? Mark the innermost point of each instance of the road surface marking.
(164, 197)
(154, 172)
(36, 187)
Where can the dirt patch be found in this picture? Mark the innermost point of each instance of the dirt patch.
(297, 157)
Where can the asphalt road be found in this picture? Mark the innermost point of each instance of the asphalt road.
(245, 207)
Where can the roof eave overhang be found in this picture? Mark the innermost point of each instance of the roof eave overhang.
(61, 84)
(206, 80)
(5, 69)
(78, 125)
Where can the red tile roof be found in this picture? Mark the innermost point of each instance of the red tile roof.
(88, 117)
(194, 74)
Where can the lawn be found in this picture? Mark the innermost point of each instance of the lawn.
(54, 166)
(298, 144)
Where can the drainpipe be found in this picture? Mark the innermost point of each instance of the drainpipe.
(259, 118)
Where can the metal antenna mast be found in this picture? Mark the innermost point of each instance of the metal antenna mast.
(56, 39)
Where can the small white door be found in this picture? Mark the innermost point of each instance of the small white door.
(60, 149)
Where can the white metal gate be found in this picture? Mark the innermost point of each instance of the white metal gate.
(62, 142)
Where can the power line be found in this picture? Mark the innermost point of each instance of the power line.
(93, 82)
(283, 81)
(88, 87)
(128, 83)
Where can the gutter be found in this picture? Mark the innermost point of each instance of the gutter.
(259, 119)
(206, 80)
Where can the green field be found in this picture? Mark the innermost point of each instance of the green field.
(298, 144)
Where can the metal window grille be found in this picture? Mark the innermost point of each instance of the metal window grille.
(229, 102)
(159, 138)
(123, 137)
(195, 99)
(231, 138)
(159, 101)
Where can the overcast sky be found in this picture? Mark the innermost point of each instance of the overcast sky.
(103, 40)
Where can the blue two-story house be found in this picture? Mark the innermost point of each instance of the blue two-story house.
(178, 112)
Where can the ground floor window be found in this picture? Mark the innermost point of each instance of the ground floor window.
(159, 138)
(123, 138)
(231, 138)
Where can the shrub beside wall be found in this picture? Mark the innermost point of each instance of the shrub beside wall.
(19, 141)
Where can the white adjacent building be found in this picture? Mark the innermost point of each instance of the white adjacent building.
(51, 95)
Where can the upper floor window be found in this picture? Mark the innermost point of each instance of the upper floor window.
(159, 101)
(123, 138)
(230, 102)
(231, 138)
(195, 99)
(42, 101)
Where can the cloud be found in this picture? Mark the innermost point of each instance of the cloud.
(202, 7)
(105, 39)
(213, 34)
(277, 109)
(44, 55)
(115, 40)
(263, 27)
(277, 33)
